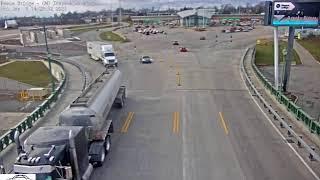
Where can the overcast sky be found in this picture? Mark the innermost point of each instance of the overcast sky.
(49, 7)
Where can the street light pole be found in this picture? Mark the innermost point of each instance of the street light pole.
(111, 15)
(120, 13)
(49, 58)
(203, 18)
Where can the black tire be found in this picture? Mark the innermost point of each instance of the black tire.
(107, 144)
(102, 159)
(121, 104)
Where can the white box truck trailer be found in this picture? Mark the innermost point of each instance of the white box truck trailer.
(101, 51)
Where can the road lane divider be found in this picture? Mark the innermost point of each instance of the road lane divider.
(223, 123)
(176, 122)
(178, 79)
(127, 122)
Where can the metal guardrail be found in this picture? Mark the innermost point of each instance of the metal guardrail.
(281, 98)
(27, 123)
(300, 115)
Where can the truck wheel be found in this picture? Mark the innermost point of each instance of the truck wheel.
(108, 144)
(121, 104)
(102, 158)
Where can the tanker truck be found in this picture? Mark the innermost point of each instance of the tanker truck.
(81, 141)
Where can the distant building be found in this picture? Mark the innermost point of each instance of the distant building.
(10, 24)
(196, 17)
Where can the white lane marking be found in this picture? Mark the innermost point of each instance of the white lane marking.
(184, 145)
(8, 35)
(187, 161)
(27, 105)
(278, 131)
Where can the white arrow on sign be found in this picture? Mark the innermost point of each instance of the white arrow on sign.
(283, 6)
(279, 16)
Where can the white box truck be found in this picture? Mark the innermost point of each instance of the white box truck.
(101, 51)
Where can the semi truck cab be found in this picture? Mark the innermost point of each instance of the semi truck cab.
(52, 152)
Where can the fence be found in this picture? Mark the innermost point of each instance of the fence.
(27, 123)
(300, 115)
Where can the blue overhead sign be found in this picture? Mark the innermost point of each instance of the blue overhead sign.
(287, 13)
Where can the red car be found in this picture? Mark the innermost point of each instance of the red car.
(183, 49)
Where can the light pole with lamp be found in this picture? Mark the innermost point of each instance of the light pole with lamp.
(49, 58)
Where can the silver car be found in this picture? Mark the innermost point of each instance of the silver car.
(145, 59)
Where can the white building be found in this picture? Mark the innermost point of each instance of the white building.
(196, 17)
(10, 24)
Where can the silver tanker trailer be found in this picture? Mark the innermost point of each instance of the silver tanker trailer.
(82, 139)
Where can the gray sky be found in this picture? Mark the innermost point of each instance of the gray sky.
(49, 7)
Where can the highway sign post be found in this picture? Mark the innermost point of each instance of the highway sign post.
(276, 58)
(292, 14)
(296, 13)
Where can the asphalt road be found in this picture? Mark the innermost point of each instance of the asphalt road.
(188, 115)
(206, 128)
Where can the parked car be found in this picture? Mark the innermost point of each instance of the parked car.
(146, 59)
(202, 38)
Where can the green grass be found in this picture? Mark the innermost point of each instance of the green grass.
(110, 36)
(265, 55)
(88, 28)
(312, 45)
(30, 72)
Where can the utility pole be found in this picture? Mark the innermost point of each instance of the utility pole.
(288, 59)
(49, 58)
(111, 15)
(120, 12)
(203, 18)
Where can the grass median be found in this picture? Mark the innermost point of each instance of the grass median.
(265, 53)
(312, 45)
(88, 28)
(30, 72)
(111, 36)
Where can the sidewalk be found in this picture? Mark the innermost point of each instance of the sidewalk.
(304, 81)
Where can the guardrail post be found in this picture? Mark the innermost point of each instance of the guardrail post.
(11, 135)
(41, 111)
(289, 132)
(281, 125)
(311, 155)
(299, 143)
(29, 122)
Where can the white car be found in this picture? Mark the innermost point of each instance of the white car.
(146, 59)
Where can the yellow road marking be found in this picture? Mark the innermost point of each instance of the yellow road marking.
(176, 122)
(127, 122)
(223, 123)
(178, 80)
